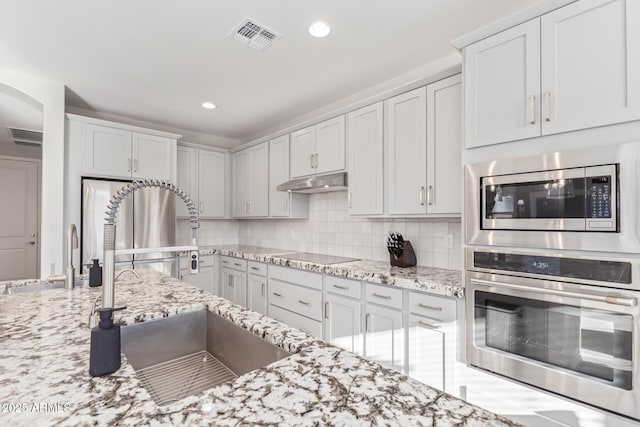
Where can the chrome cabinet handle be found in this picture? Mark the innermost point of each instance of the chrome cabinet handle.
(249, 207)
(303, 302)
(262, 289)
(253, 268)
(532, 109)
(326, 310)
(311, 161)
(609, 299)
(224, 261)
(429, 307)
(277, 294)
(430, 195)
(286, 203)
(381, 296)
(421, 196)
(237, 264)
(366, 322)
(128, 165)
(201, 205)
(344, 288)
(316, 160)
(135, 165)
(428, 325)
(349, 199)
(547, 106)
(230, 281)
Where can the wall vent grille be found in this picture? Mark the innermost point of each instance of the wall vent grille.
(25, 136)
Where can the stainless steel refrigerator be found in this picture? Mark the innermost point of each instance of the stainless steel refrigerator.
(146, 219)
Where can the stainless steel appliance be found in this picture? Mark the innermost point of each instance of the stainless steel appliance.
(577, 200)
(563, 322)
(146, 219)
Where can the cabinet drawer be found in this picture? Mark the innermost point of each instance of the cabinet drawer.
(346, 287)
(258, 268)
(432, 306)
(295, 320)
(299, 277)
(204, 261)
(384, 295)
(301, 300)
(235, 263)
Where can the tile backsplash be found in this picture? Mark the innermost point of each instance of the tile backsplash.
(329, 230)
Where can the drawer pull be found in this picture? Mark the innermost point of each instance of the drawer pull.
(224, 261)
(255, 268)
(277, 294)
(344, 288)
(237, 264)
(262, 291)
(366, 322)
(428, 325)
(381, 296)
(326, 310)
(303, 302)
(429, 307)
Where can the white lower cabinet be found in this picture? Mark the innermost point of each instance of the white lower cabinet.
(234, 280)
(205, 278)
(342, 322)
(384, 336)
(257, 287)
(295, 298)
(431, 340)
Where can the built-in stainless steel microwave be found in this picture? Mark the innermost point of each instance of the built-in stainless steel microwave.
(579, 200)
(576, 199)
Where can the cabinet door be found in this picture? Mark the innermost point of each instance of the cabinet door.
(342, 323)
(234, 286)
(151, 156)
(186, 179)
(590, 65)
(444, 146)
(407, 152)
(257, 298)
(384, 336)
(259, 182)
(426, 358)
(365, 142)
(211, 184)
(108, 151)
(330, 146)
(502, 86)
(278, 174)
(303, 147)
(241, 183)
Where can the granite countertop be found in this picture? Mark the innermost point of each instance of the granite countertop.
(433, 280)
(45, 361)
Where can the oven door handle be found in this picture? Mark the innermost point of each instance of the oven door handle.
(609, 299)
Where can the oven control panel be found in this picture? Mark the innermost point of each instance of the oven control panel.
(599, 197)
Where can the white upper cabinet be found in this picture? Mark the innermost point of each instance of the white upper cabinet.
(251, 181)
(590, 65)
(151, 156)
(573, 68)
(201, 174)
(444, 146)
(407, 152)
(318, 149)
(211, 179)
(114, 152)
(502, 86)
(282, 203)
(365, 148)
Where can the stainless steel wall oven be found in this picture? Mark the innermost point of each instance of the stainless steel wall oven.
(565, 324)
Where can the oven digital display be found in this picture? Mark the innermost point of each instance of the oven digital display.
(541, 265)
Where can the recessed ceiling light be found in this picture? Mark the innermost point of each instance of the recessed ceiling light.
(319, 29)
(208, 105)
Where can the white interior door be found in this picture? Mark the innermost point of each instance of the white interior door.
(19, 225)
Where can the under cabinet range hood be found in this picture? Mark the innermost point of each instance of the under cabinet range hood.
(316, 184)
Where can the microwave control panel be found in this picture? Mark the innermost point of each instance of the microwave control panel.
(599, 197)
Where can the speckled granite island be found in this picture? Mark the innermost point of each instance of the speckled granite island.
(44, 362)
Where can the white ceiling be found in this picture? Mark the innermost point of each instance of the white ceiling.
(157, 60)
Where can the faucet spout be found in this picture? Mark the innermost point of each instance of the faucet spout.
(72, 243)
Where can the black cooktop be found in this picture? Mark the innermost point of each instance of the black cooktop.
(316, 258)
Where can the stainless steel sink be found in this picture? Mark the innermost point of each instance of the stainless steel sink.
(183, 355)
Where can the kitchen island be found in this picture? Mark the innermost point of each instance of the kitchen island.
(44, 365)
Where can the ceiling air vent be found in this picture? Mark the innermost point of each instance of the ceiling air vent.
(25, 136)
(254, 34)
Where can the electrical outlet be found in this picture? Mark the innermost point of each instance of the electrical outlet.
(449, 243)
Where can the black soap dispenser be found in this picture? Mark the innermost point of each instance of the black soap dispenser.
(105, 344)
(95, 274)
